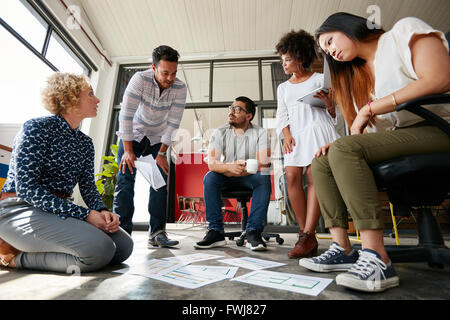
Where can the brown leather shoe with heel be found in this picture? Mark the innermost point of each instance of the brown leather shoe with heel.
(305, 247)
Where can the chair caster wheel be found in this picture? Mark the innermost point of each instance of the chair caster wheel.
(280, 240)
(240, 242)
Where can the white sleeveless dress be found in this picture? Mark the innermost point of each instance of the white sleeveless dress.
(311, 127)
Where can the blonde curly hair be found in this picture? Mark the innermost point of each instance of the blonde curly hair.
(62, 92)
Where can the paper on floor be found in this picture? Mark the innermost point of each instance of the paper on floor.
(286, 281)
(252, 263)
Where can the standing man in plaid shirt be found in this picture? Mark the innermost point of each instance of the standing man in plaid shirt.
(152, 108)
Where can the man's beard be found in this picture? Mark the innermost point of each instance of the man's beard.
(234, 124)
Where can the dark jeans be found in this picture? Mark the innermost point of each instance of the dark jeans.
(124, 193)
(261, 186)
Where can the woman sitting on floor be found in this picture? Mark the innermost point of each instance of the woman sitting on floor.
(40, 228)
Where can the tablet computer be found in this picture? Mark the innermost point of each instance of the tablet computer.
(309, 97)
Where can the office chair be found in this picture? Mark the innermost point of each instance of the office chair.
(421, 181)
(243, 195)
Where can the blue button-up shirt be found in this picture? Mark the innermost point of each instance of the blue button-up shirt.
(50, 157)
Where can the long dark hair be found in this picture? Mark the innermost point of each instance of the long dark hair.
(352, 81)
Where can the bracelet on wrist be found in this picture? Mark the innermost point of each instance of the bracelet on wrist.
(394, 102)
(370, 111)
(164, 154)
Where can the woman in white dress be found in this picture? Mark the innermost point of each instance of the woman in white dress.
(305, 128)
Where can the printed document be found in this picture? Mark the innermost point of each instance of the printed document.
(286, 281)
(191, 258)
(149, 169)
(252, 263)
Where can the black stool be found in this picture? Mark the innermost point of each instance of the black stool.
(420, 181)
(243, 195)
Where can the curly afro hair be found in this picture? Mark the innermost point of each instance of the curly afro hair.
(300, 45)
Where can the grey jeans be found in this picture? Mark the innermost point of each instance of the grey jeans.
(50, 243)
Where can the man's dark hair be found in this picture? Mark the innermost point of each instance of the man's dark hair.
(249, 105)
(164, 53)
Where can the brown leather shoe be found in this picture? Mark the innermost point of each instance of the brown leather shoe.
(7, 253)
(306, 246)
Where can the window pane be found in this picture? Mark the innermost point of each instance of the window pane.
(32, 29)
(196, 77)
(61, 56)
(23, 75)
(273, 76)
(196, 127)
(125, 76)
(233, 79)
(269, 118)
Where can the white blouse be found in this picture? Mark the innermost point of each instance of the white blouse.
(394, 70)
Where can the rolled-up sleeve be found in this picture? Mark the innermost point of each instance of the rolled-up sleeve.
(175, 115)
(130, 103)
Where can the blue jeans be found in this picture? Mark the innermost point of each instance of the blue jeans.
(212, 186)
(124, 193)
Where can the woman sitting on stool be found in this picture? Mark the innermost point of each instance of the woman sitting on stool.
(372, 72)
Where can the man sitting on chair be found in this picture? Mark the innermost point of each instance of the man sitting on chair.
(236, 142)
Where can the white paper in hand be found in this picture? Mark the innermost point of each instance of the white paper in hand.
(149, 169)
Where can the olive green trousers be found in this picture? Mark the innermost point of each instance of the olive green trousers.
(343, 179)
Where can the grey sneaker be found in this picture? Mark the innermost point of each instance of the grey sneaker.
(369, 274)
(334, 259)
(255, 241)
(161, 240)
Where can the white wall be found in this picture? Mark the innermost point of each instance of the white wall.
(103, 81)
(8, 132)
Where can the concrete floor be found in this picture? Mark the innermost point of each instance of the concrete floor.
(418, 281)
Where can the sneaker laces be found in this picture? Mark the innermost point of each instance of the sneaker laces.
(367, 264)
(332, 250)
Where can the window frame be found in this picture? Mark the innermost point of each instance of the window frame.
(260, 103)
(40, 11)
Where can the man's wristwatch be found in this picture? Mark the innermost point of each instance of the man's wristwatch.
(164, 154)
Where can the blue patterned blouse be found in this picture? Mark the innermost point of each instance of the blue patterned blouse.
(50, 157)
